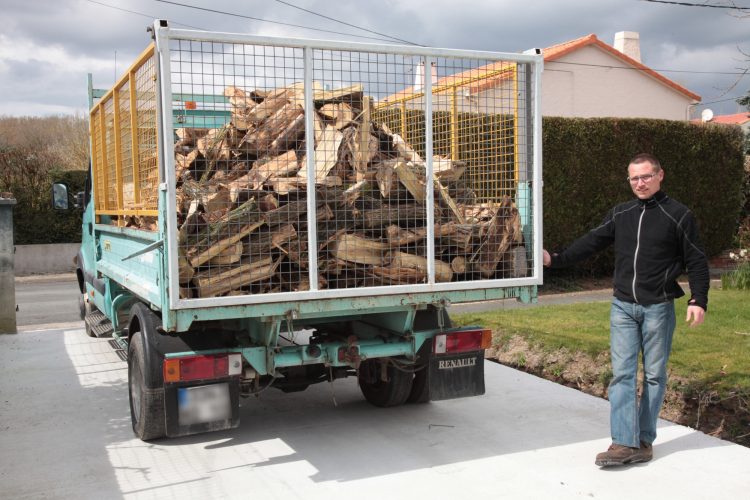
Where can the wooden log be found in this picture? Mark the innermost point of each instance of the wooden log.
(230, 255)
(447, 200)
(498, 235)
(406, 215)
(360, 250)
(341, 113)
(446, 169)
(410, 181)
(225, 232)
(222, 244)
(443, 271)
(258, 141)
(384, 177)
(326, 154)
(265, 168)
(186, 270)
(290, 136)
(459, 265)
(399, 237)
(405, 150)
(362, 144)
(211, 284)
(349, 94)
(242, 104)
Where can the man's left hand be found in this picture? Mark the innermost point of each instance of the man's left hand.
(695, 315)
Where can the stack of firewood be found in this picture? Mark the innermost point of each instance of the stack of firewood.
(242, 202)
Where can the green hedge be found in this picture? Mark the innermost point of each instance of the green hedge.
(585, 170)
(34, 219)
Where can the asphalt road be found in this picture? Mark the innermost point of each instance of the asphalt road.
(46, 300)
(65, 433)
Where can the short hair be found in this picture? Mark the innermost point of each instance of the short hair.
(646, 157)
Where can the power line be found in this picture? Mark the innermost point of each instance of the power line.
(706, 5)
(269, 21)
(345, 23)
(652, 69)
(141, 14)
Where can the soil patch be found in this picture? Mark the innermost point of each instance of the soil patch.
(724, 416)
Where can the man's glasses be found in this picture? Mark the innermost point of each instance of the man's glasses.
(645, 178)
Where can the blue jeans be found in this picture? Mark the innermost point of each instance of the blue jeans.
(636, 329)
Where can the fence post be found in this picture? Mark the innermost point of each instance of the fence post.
(7, 266)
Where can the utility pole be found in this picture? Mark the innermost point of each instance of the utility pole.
(7, 266)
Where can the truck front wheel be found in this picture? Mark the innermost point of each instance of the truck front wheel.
(392, 391)
(146, 405)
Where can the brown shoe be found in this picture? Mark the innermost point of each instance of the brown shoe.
(618, 454)
(646, 452)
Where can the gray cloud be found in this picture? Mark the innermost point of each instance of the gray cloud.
(88, 34)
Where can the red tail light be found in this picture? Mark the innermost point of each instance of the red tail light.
(463, 341)
(202, 367)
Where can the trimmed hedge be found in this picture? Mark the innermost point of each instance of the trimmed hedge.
(585, 170)
(44, 224)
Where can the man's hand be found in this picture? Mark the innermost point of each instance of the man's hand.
(696, 314)
(546, 259)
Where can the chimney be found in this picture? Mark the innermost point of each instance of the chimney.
(419, 76)
(628, 42)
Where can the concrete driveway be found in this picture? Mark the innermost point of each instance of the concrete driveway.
(65, 433)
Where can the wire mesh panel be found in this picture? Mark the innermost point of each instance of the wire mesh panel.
(124, 148)
(306, 168)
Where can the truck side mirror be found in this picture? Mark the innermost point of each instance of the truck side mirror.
(60, 196)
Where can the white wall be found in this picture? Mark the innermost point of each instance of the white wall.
(584, 91)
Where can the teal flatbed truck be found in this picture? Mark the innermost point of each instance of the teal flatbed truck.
(221, 267)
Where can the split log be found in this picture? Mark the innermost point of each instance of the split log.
(350, 94)
(227, 231)
(362, 144)
(447, 200)
(326, 155)
(242, 104)
(230, 255)
(403, 215)
(443, 271)
(360, 250)
(211, 284)
(459, 265)
(258, 141)
(340, 113)
(410, 181)
(399, 237)
(498, 235)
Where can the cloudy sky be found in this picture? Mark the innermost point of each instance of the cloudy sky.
(48, 46)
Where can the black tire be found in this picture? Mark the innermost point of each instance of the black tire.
(146, 405)
(393, 392)
(420, 387)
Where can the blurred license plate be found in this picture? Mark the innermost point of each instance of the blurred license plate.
(206, 403)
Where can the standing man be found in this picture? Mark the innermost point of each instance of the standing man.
(655, 240)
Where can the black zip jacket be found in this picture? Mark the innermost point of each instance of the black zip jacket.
(655, 241)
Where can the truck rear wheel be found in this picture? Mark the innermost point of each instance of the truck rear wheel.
(146, 405)
(384, 393)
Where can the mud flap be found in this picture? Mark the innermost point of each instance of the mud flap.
(456, 375)
(174, 396)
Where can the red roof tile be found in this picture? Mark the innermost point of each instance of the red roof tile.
(486, 77)
(735, 119)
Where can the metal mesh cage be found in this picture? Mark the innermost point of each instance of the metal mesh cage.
(309, 168)
(124, 147)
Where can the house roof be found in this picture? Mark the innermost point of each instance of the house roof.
(555, 52)
(488, 76)
(735, 119)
